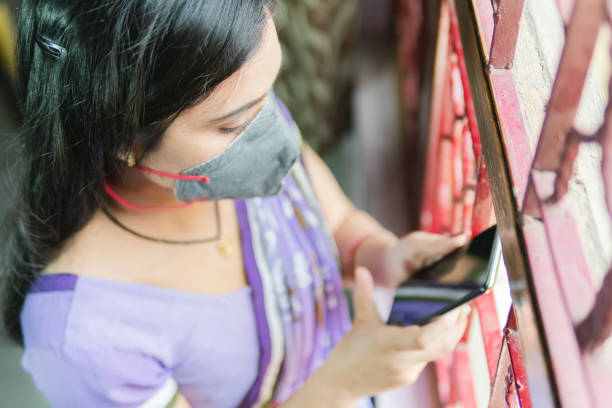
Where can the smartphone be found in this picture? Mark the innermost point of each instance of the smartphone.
(457, 278)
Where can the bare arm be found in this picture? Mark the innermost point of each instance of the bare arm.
(361, 240)
(316, 392)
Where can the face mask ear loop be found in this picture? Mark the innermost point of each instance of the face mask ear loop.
(205, 179)
(135, 207)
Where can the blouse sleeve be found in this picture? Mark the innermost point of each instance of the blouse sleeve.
(80, 377)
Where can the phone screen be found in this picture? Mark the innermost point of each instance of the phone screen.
(455, 279)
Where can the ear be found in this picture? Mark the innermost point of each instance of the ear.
(127, 157)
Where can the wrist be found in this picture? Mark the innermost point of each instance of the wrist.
(321, 389)
(333, 391)
(374, 253)
(348, 255)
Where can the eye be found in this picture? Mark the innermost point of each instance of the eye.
(235, 130)
(231, 130)
(238, 129)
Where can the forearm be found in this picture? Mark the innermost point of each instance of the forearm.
(362, 241)
(360, 238)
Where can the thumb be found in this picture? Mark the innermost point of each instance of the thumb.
(363, 299)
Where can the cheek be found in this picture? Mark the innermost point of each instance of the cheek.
(180, 150)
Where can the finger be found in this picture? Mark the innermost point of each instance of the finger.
(439, 328)
(419, 338)
(434, 247)
(448, 341)
(455, 242)
(443, 247)
(405, 338)
(415, 348)
(363, 298)
(438, 347)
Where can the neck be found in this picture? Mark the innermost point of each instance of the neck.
(140, 189)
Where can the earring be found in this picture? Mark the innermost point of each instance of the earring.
(126, 157)
(131, 161)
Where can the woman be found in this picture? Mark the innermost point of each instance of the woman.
(168, 247)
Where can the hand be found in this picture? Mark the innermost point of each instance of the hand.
(417, 250)
(374, 357)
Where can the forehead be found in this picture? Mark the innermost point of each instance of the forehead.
(250, 82)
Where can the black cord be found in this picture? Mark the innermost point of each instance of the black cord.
(167, 241)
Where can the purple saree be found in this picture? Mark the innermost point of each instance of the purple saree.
(293, 265)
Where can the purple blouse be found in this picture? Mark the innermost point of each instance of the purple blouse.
(93, 342)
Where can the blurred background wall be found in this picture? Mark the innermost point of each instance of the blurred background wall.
(318, 39)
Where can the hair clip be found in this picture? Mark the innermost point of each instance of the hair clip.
(49, 47)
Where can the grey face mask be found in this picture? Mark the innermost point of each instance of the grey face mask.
(253, 165)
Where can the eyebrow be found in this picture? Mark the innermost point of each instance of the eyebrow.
(243, 108)
(247, 106)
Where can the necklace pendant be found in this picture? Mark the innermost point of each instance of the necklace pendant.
(225, 246)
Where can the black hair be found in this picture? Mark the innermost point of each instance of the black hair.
(128, 65)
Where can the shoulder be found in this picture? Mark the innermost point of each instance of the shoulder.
(100, 377)
(102, 250)
(98, 341)
(85, 251)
